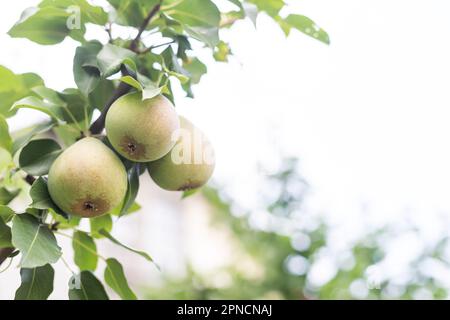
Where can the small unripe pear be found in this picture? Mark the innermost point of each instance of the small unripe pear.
(87, 179)
(141, 130)
(190, 163)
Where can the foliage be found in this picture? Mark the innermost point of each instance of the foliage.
(102, 73)
(283, 262)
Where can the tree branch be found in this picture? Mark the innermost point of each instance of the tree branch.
(145, 23)
(5, 253)
(30, 179)
(123, 88)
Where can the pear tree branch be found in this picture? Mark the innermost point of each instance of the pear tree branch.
(145, 23)
(123, 88)
(5, 253)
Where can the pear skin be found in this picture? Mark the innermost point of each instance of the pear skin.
(190, 163)
(87, 179)
(141, 130)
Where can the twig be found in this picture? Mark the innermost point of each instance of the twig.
(30, 179)
(109, 31)
(145, 23)
(9, 265)
(156, 46)
(5, 253)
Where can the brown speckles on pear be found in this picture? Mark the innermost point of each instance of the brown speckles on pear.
(142, 130)
(90, 207)
(132, 148)
(87, 179)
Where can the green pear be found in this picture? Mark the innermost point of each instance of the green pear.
(87, 179)
(141, 130)
(190, 163)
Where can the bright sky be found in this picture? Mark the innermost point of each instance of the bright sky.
(368, 116)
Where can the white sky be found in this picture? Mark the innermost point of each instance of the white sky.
(368, 115)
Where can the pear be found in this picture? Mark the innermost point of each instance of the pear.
(87, 179)
(141, 130)
(190, 163)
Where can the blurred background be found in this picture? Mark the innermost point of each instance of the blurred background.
(332, 175)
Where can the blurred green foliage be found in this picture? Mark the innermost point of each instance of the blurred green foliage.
(284, 257)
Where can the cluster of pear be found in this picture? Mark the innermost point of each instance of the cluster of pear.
(88, 179)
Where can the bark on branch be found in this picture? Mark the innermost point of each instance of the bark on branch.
(144, 25)
(5, 253)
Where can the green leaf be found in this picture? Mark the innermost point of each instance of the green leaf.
(68, 134)
(114, 240)
(194, 13)
(75, 107)
(7, 196)
(101, 94)
(85, 68)
(41, 197)
(132, 190)
(69, 222)
(111, 57)
(48, 94)
(271, 7)
(195, 68)
(189, 193)
(37, 283)
(238, 3)
(5, 138)
(26, 136)
(183, 46)
(150, 92)
(199, 18)
(6, 213)
(15, 87)
(85, 251)
(54, 111)
(222, 52)
(148, 88)
(209, 36)
(86, 286)
(5, 159)
(308, 27)
(37, 156)
(116, 280)
(116, 211)
(89, 13)
(98, 223)
(131, 12)
(35, 241)
(132, 82)
(45, 26)
(5, 235)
